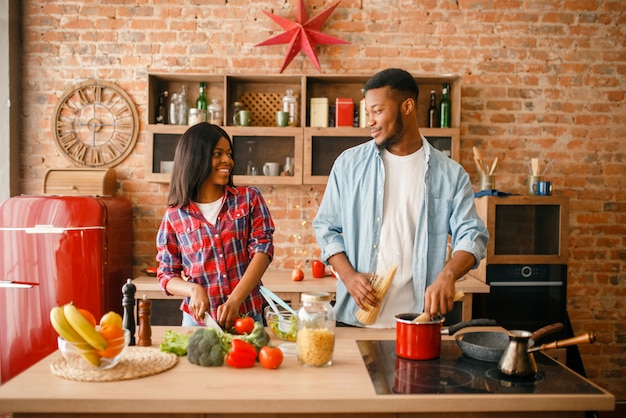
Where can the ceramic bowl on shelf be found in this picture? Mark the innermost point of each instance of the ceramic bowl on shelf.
(282, 324)
(84, 357)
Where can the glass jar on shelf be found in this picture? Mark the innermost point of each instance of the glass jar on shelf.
(214, 114)
(196, 116)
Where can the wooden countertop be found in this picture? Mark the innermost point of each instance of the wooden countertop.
(344, 387)
(280, 281)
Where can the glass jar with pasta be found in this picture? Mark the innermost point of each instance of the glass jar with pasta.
(315, 338)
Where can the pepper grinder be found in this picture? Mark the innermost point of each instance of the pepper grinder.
(128, 302)
(145, 331)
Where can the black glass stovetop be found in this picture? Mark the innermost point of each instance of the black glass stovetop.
(456, 373)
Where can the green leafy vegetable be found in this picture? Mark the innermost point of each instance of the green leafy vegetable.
(174, 342)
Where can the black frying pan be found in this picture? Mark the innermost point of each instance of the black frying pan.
(489, 345)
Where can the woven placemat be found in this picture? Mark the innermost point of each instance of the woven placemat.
(137, 362)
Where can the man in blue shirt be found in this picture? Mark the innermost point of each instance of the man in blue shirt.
(397, 201)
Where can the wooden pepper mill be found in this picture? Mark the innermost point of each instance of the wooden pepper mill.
(128, 302)
(145, 330)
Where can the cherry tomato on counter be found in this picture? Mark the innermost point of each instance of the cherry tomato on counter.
(270, 357)
(244, 325)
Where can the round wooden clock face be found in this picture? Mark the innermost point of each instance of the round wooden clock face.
(95, 124)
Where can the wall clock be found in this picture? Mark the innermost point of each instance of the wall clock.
(95, 124)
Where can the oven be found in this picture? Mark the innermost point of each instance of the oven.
(525, 296)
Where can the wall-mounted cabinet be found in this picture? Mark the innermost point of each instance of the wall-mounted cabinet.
(312, 149)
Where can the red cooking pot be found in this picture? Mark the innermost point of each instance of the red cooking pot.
(422, 340)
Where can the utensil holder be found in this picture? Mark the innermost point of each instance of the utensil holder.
(487, 182)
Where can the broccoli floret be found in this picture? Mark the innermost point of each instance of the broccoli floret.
(258, 337)
(205, 348)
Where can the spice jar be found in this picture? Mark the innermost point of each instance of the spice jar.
(315, 338)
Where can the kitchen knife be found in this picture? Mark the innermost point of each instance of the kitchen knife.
(210, 322)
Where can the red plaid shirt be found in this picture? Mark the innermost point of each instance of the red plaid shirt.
(216, 256)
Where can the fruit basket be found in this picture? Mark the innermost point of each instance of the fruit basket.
(83, 356)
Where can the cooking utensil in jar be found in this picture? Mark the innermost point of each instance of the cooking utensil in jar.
(425, 316)
(518, 360)
(489, 345)
(268, 294)
(493, 166)
(422, 340)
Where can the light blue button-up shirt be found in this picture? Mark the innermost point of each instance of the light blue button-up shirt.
(349, 219)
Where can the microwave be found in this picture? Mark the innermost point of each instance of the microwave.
(523, 230)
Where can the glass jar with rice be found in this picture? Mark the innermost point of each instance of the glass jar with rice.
(315, 338)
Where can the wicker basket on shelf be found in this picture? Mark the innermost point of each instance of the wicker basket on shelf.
(263, 106)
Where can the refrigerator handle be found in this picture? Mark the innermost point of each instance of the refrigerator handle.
(12, 284)
(51, 229)
(44, 229)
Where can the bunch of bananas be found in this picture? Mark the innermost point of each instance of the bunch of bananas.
(74, 328)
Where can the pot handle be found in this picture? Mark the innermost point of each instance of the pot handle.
(472, 323)
(586, 338)
(548, 329)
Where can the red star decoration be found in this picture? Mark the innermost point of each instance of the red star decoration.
(303, 34)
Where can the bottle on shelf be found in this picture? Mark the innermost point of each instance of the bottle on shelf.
(362, 114)
(290, 105)
(161, 110)
(433, 112)
(445, 108)
(182, 106)
(201, 102)
(215, 112)
(174, 109)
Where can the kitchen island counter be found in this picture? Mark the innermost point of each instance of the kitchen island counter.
(343, 389)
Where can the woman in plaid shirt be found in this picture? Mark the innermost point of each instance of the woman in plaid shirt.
(215, 240)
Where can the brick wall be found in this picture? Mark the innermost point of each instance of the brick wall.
(541, 79)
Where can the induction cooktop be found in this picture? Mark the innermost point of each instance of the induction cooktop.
(457, 373)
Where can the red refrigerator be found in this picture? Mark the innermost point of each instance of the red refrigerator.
(55, 250)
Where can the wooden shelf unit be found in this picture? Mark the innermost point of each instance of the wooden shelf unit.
(314, 149)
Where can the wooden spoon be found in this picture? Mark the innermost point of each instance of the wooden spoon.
(493, 166)
(425, 316)
(535, 166)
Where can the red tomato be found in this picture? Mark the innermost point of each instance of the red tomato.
(244, 325)
(297, 275)
(270, 357)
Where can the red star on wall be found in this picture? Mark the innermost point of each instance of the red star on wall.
(303, 34)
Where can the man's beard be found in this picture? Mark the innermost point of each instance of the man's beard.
(396, 134)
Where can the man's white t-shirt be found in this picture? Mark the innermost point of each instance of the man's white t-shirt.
(404, 185)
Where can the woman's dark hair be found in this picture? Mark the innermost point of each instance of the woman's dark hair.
(193, 162)
(399, 81)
